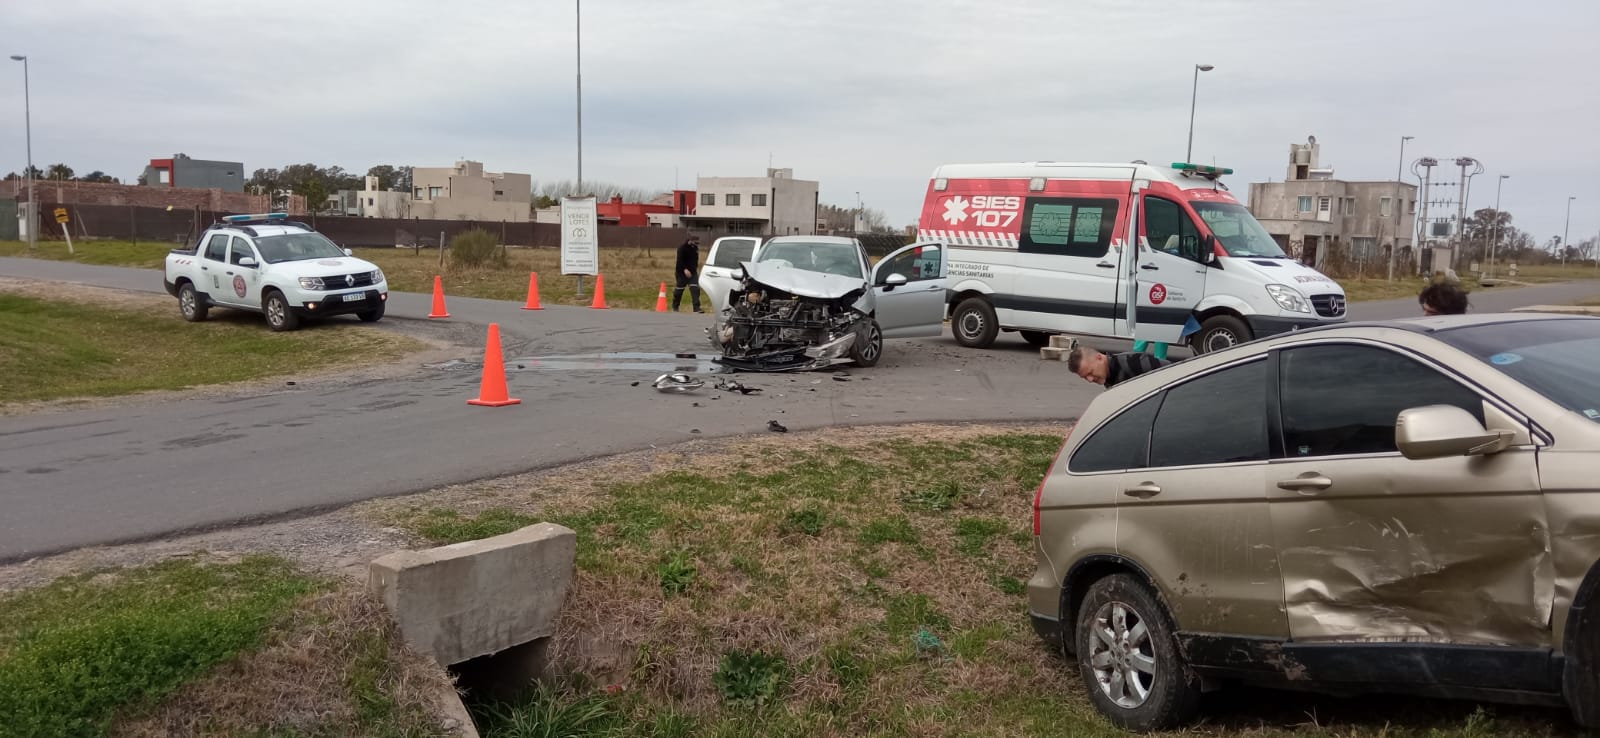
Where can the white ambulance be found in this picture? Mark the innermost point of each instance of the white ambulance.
(1040, 248)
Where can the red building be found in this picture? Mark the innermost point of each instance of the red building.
(637, 214)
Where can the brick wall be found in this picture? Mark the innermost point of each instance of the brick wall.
(95, 193)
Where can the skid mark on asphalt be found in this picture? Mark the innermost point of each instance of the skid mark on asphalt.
(43, 470)
(202, 440)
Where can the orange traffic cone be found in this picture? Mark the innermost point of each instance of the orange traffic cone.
(493, 392)
(661, 299)
(599, 292)
(438, 299)
(533, 292)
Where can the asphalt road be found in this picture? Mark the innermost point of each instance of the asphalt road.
(139, 470)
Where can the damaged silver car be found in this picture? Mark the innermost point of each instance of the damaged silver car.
(809, 302)
(1398, 507)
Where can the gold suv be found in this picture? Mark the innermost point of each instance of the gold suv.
(1411, 506)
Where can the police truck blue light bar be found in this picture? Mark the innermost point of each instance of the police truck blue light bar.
(255, 216)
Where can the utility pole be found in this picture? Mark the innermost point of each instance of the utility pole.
(1426, 165)
(1494, 240)
(31, 212)
(579, 36)
(1461, 207)
(1566, 231)
(1399, 170)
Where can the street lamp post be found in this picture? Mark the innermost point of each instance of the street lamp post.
(1567, 230)
(30, 213)
(1399, 172)
(578, 33)
(1198, 68)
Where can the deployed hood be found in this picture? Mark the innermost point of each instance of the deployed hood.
(803, 282)
(1286, 271)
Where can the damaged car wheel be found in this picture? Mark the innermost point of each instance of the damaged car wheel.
(866, 352)
(1129, 659)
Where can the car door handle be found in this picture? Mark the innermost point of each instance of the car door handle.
(1308, 483)
(1106, 265)
(1149, 267)
(1144, 491)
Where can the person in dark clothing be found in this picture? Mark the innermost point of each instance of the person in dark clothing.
(1109, 369)
(688, 270)
(1443, 298)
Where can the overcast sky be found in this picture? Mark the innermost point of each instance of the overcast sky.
(861, 95)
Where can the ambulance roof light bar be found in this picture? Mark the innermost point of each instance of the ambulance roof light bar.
(1209, 172)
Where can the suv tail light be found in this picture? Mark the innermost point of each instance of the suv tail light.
(1038, 494)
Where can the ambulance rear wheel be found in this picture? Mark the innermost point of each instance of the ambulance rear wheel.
(1219, 332)
(974, 323)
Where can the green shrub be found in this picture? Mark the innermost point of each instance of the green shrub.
(751, 678)
(677, 573)
(477, 249)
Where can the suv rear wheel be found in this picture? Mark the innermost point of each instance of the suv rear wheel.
(1129, 658)
(191, 304)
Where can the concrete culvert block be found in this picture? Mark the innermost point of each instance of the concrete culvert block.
(466, 600)
(1063, 342)
(1053, 354)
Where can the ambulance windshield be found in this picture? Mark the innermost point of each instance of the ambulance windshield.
(1237, 230)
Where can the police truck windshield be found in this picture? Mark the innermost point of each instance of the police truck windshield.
(1237, 230)
(297, 247)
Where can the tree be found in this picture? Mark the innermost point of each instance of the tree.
(315, 191)
(100, 177)
(391, 177)
(59, 172)
(12, 176)
(34, 171)
(601, 190)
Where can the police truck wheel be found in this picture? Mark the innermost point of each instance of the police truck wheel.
(191, 304)
(974, 323)
(280, 317)
(1219, 332)
(372, 316)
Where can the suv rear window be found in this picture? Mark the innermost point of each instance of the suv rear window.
(1121, 443)
(1556, 358)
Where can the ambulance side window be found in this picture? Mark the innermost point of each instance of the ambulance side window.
(1168, 229)
(1068, 226)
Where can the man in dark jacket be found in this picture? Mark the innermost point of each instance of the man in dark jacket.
(688, 270)
(1109, 369)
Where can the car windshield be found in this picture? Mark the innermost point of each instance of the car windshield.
(1237, 230)
(829, 258)
(1555, 358)
(297, 247)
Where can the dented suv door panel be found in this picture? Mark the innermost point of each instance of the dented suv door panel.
(1376, 547)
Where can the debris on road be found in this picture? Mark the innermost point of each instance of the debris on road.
(678, 382)
(841, 379)
(734, 385)
(776, 427)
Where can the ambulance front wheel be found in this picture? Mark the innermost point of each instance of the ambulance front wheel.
(974, 323)
(1219, 332)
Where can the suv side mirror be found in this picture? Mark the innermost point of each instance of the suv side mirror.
(1440, 431)
(248, 262)
(348, 252)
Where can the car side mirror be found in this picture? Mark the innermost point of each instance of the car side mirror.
(892, 281)
(1441, 431)
(348, 252)
(247, 261)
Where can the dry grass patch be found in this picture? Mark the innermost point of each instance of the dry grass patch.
(335, 669)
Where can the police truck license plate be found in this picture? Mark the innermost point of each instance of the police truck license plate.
(356, 297)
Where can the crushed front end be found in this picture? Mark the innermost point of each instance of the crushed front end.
(765, 329)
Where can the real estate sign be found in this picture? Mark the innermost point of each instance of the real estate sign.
(580, 236)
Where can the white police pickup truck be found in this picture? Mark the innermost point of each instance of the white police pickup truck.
(268, 264)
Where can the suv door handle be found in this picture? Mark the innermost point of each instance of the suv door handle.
(1308, 483)
(1144, 491)
(1106, 265)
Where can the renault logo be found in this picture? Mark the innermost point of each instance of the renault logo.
(350, 280)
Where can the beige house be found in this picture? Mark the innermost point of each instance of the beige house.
(1312, 214)
(466, 192)
(774, 205)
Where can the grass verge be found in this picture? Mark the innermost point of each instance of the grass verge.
(51, 349)
(79, 652)
(858, 582)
